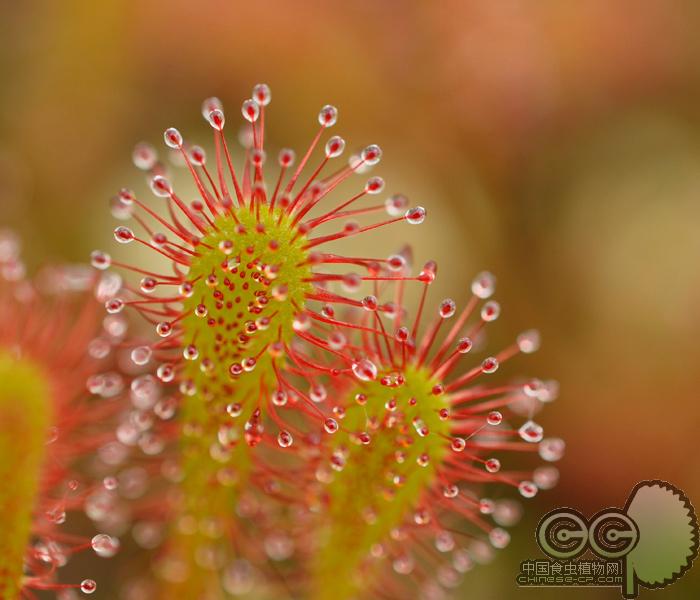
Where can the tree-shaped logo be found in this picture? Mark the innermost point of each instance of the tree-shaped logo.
(668, 536)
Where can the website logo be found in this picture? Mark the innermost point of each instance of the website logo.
(651, 543)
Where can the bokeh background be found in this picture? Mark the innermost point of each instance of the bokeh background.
(556, 143)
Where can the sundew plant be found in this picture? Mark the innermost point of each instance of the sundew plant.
(285, 425)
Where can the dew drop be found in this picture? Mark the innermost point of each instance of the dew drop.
(370, 303)
(396, 205)
(552, 449)
(365, 370)
(546, 477)
(141, 355)
(56, 515)
(284, 439)
(492, 465)
(173, 138)
(499, 538)
(253, 430)
(527, 489)
(396, 262)
(404, 565)
(209, 105)
(335, 146)
(529, 341)
(161, 187)
(330, 425)
(197, 156)
(494, 418)
(123, 235)
(216, 119)
(279, 398)
(104, 545)
(318, 393)
(88, 586)
(402, 334)
(250, 111)
(328, 116)
(190, 352)
(234, 409)
(165, 372)
(374, 185)
(302, 322)
(164, 329)
(458, 444)
(144, 156)
(531, 432)
(110, 483)
(337, 340)
(444, 542)
(490, 311)
(489, 365)
(447, 308)
(464, 345)
(415, 216)
(371, 155)
(100, 260)
(450, 491)
(186, 289)
(483, 285)
(286, 158)
(114, 306)
(262, 94)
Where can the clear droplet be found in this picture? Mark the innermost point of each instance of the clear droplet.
(494, 418)
(372, 154)
(88, 586)
(284, 439)
(531, 432)
(447, 308)
(415, 216)
(492, 465)
(552, 449)
(250, 111)
(527, 489)
(330, 425)
(484, 285)
(365, 370)
(328, 116)
(489, 365)
(105, 545)
(123, 235)
(335, 146)
(499, 537)
(100, 260)
(173, 138)
(141, 355)
(262, 94)
(490, 311)
(529, 341)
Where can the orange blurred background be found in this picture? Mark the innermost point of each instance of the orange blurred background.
(555, 143)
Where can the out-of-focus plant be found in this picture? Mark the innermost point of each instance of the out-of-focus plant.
(51, 341)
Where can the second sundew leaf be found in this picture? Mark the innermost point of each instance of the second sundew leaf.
(375, 487)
